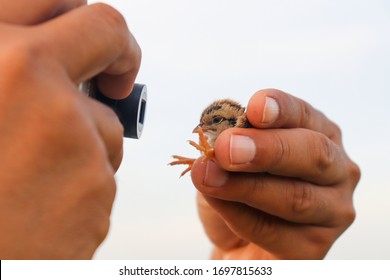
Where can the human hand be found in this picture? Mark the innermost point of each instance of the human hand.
(282, 190)
(60, 149)
(33, 12)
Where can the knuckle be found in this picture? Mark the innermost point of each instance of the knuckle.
(335, 132)
(325, 151)
(112, 17)
(102, 185)
(319, 242)
(137, 53)
(306, 113)
(102, 232)
(64, 116)
(354, 172)
(264, 227)
(116, 128)
(18, 59)
(99, 224)
(106, 111)
(96, 199)
(282, 150)
(66, 107)
(346, 215)
(336, 129)
(349, 215)
(302, 199)
(255, 188)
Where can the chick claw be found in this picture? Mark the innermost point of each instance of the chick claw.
(203, 146)
(183, 160)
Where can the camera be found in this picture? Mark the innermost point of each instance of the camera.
(130, 110)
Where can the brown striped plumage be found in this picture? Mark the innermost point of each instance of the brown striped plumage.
(218, 116)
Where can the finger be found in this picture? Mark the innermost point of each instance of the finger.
(280, 238)
(299, 153)
(273, 108)
(215, 227)
(289, 199)
(91, 40)
(19, 12)
(109, 128)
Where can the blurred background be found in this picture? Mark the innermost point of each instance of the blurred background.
(333, 54)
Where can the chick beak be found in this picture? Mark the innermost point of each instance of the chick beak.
(196, 129)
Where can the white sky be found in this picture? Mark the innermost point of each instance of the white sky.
(334, 54)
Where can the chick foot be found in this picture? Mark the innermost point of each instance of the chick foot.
(203, 146)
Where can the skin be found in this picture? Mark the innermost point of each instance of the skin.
(292, 200)
(59, 149)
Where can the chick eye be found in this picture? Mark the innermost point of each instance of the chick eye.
(217, 120)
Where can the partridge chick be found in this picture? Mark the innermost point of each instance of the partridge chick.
(218, 116)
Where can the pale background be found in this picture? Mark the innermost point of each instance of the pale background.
(333, 54)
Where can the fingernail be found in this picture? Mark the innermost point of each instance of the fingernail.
(271, 110)
(242, 149)
(215, 176)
